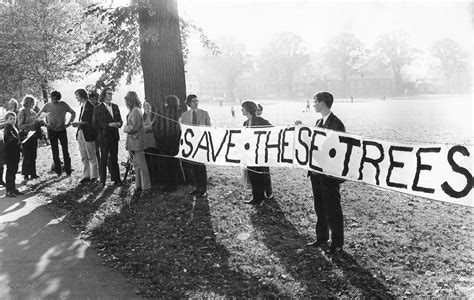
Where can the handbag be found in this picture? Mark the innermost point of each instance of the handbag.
(245, 179)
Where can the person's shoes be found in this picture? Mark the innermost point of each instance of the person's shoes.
(102, 183)
(147, 193)
(118, 183)
(93, 180)
(3, 183)
(270, 197)
(17, 192)
(26, 177)
(195, 192)
(318, 244)
(254, 202)
(34, 176)
(10, 194)
(202, 194)
(335, 250)
(68, 174)
(84, 180)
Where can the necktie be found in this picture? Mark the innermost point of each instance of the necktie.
(195, 118)
(80, 114)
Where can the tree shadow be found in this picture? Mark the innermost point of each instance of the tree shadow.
(169, 242)
(41, 258)
(323, 275)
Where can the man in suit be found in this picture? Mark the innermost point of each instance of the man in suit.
(326, 189)
(197, 117)
(85, 136)
(107, 120)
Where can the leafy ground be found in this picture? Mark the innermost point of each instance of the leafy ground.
(173, 245)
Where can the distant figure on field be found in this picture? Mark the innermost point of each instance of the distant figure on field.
(326, 189)
(352, 99)
(56, 124)
(232, 111)
(197, 117)
(308, 106)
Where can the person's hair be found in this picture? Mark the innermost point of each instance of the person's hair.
(13, 100)
(259, 106)
(102, 94)
(190, 98)
(325, 97)
(9, 114)
(93, 95)
(82, 93)
(131, 100)
(172, 101)
(28, 101)
(55, 95)
(250, 106)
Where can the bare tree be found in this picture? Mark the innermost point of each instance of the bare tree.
(395, 52)
(452, 59)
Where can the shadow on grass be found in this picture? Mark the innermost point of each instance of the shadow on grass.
(323, 275)
(169, 243)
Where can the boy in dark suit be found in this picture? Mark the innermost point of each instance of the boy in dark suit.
(326, 189)
(12, 142)
(107, 120)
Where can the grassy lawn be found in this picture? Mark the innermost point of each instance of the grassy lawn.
(174, 245)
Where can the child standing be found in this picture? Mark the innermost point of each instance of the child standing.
(12, 142)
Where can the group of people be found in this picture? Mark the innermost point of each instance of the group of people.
(98, 137)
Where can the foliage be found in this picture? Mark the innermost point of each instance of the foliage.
(121, 40)
(284, 57)
(346, 54)
(395, 52)
(230, 64)
(39, 40)
(452, 58)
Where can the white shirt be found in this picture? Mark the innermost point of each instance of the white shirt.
(325, 118)
(109, 108)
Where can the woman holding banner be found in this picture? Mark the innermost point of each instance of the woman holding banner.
(257, 175)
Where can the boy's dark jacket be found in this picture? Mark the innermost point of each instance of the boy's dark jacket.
(11, 138)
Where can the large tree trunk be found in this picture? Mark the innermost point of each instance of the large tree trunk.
(161, 52)
(163, 66)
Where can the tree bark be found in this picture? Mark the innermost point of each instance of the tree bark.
(163, 68)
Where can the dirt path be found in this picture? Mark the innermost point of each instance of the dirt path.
(40, 257)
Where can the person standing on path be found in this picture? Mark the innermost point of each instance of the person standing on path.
(56, 124)
(326, 189)
(12, 153)
(85, 136)
(107, 120)
(27, 122)
(197, 117)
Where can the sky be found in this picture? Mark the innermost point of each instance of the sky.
(255, 22)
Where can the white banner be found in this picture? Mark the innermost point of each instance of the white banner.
(439, 172)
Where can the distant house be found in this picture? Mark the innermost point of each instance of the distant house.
(431, 85)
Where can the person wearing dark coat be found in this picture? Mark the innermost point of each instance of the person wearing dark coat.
(11, 138)
(257, 175)
(326, 189)
(107, 120)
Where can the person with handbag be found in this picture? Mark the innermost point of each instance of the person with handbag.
(27, 123)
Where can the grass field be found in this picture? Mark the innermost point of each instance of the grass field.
(173, 245)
